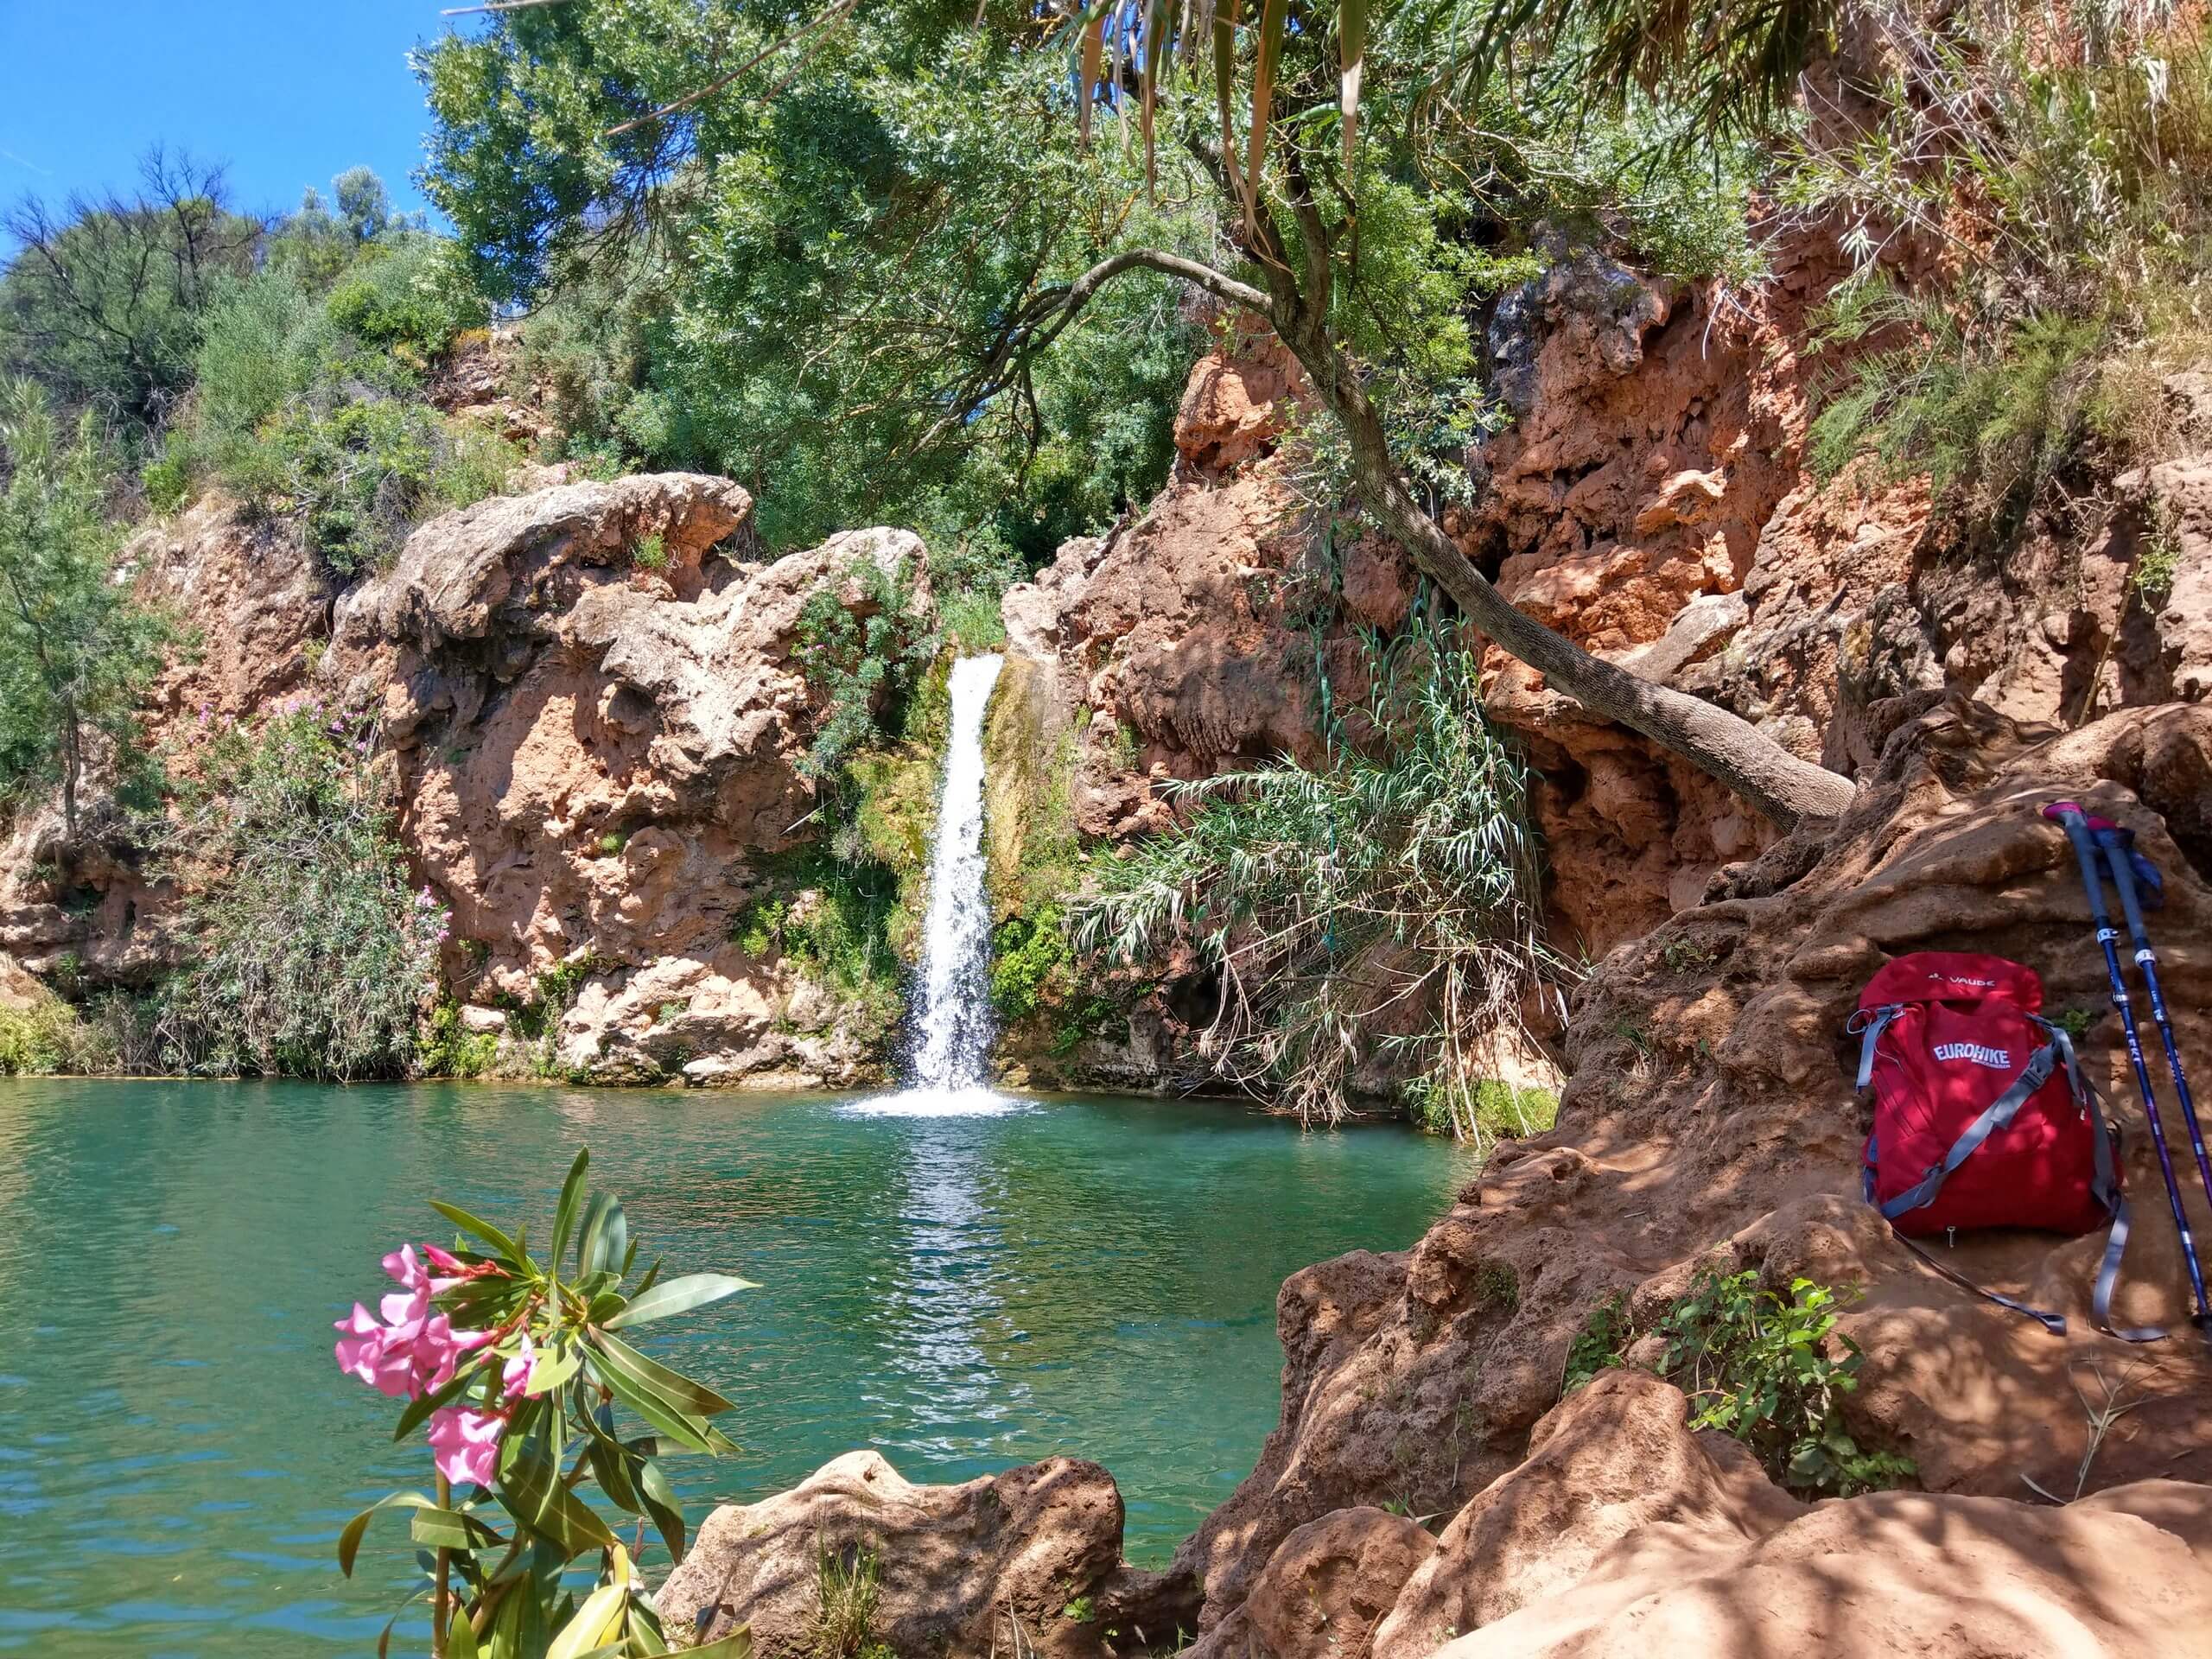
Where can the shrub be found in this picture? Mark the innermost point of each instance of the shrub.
(1031, 964)
(312, 956)
(410, 297)
(510, 1360)
(40, 1040)
(76, 649)
(447, 1049)
(167, 479)
(312, 407)
(1772, 1372)
(1496, 1110)
(362, 474)
(860, 664)
(1597, 1346)
(2158, 562)
(2082, 158)
(970, 570)
(834, 918)
(1989, 419)
(265, 343)
(971, 622)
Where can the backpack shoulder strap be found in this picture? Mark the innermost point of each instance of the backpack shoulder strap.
(1870, 1023)
(2054, 1323)
(1994, 1116)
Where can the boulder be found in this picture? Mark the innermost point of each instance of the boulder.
(1612, 1459)
(2120, 1576)
(600, 762)
(1324, 1589)
(1007, 1563)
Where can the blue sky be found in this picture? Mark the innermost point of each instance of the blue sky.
(288, 92)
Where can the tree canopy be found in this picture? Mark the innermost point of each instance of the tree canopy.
(101, 302)
(893, 222)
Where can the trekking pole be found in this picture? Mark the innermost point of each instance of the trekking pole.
(2076, 824)
(2118, 845)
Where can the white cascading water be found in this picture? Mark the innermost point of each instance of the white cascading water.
(949, 1067)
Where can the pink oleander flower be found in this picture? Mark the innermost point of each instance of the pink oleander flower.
(514, 1376)
(414, 1351)
(465, 1444)
(362, 1353)
(456, 1269)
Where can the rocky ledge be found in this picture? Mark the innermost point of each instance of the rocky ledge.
(1711, 1123)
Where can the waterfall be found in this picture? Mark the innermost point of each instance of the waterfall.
(948, 1068)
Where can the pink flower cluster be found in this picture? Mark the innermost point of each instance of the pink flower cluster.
(414, 1351)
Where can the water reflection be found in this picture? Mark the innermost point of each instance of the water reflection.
(177, 1450)
(941, 1300)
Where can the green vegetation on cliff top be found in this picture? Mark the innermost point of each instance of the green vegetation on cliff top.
(850, 279)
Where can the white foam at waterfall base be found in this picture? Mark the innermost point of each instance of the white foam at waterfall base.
(948, 1071)
(938, 1103)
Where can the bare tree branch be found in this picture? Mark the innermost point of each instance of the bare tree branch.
(498, 5)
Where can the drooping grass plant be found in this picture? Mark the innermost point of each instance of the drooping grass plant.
(1393, 891)
(2064, 168)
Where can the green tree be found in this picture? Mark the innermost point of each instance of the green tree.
(826, 276)
(1364, 255)
(363, 203)
(102, 300)
(76, 652)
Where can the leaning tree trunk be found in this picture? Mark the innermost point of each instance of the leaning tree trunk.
(1718, 743)
(1729, 748)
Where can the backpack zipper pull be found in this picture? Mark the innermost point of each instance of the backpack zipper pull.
(1950, 1238)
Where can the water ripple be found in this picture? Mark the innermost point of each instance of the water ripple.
(965, 1289)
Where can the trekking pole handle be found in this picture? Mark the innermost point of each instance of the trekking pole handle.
(2070, 816)
(2115, 845)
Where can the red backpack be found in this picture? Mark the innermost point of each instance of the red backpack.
(1981, 1115)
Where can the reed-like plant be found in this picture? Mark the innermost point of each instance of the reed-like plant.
(1396, 886)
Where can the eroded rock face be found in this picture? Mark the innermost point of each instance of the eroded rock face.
(595, 758)
(2122, 1575)
(1186, 640)
(599, 758)
(1219, 631)
(1678, 1543)
(990, 1567)
(1710, 1120)
(1654, 502)
(1624, 1534)
(1324, 1590)
(92, 908)
(1612, 1460)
